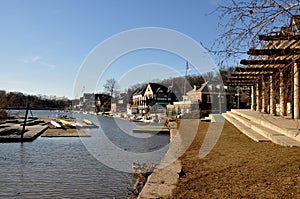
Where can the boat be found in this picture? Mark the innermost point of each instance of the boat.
(65, 123)
(148, 119)
(55, 124)
(76, 124)
(88, 122)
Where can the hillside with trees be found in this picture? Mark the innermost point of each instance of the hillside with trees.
(18, 100)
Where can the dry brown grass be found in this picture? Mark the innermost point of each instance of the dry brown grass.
(239, 168)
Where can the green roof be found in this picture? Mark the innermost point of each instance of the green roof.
(163, 103)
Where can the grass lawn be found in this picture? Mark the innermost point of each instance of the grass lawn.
(238, 167)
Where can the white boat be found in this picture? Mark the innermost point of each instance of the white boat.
(149, 119)
(55, 124)
(76, 124)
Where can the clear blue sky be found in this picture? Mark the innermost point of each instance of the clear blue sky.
(44, 42)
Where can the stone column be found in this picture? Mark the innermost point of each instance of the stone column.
(264, 95)
(253, 99)
(272, 96)
(282, 97)
(296, 92)
(258, 96)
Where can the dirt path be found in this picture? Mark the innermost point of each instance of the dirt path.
(239, 168)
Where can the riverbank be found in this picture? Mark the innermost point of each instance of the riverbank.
(237, 167)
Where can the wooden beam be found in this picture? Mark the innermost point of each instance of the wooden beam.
(278, 37)
(264, 62)
(244, 74)
(239, 83)
(243, 79)
(257, 69)
(274, 52)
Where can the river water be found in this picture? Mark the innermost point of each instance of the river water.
(66, 168)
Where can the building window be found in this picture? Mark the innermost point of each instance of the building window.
(220, 87)
(209, 99)
(222, 99)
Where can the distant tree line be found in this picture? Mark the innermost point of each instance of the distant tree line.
(17, 100)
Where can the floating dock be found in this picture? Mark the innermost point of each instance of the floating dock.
(151, 129)
(13, 132)
(65, 133)
(67, 130)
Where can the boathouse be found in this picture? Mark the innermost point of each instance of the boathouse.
(150, 96)
(209, 98)
(102, 102)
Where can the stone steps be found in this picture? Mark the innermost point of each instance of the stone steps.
(246, 130)
(260, 130)
(282, 126)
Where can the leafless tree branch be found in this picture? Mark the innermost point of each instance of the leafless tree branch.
(242, 21)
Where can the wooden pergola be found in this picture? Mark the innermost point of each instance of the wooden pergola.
(273, 71)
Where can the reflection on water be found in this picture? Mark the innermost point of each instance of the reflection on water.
(63, 168)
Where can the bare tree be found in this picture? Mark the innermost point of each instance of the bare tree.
(111, 86)
(242, 21)
(3, 100)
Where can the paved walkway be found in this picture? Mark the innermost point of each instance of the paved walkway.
(280, 122)
(163, 180)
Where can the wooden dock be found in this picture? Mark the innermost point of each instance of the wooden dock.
(151, 129)
(14, 135)
(65, 133)
(11, 130)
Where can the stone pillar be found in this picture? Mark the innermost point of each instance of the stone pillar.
(253, 98)
(258, 96)
(264, 95)
(296, 92)
(272, 96)
(282, 97)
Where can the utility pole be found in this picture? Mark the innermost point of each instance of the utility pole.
(184, 82)
(220, 101)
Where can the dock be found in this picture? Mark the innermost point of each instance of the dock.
(68, 131)
(65, 133)
(11, 131)
(151, 129)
